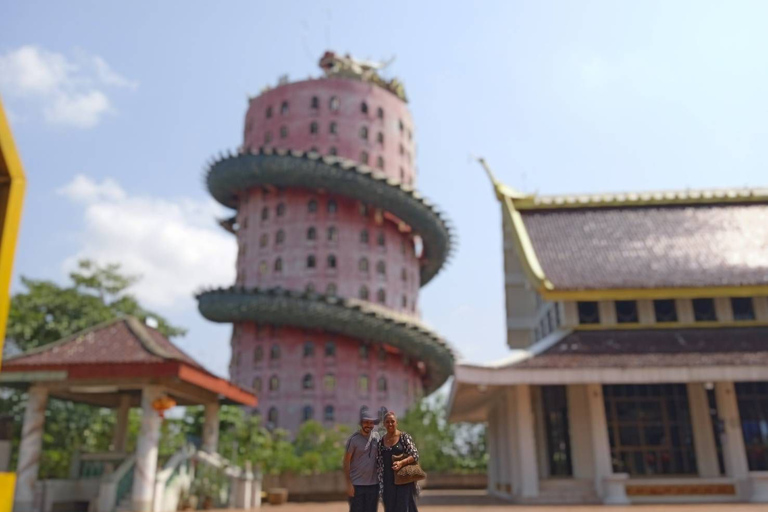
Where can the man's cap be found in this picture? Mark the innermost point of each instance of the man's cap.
(365, 415)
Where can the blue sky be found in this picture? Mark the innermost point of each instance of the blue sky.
(116, 107)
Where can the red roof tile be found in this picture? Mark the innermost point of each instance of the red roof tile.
(651, 247)
(732, 346)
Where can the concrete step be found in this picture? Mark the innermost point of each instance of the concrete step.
(564, 491)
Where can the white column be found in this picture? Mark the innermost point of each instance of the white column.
(525, 441)
(601, 446)
(580, 427)
(146, 451)
(703, 435)
(30, 449)
(121, 424)
(734, 451)
(211, 427)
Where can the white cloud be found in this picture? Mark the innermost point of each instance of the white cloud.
(173, 244)
(69, 92)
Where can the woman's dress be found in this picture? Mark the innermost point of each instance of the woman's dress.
(397, 498)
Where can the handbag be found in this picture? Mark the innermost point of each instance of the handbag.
(408, 474)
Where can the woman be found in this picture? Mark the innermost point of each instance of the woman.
(397, 498)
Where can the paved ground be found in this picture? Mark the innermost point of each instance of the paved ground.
(470, 501)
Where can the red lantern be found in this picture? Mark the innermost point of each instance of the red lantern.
(162, 404)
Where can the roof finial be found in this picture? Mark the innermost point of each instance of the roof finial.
(499, 188)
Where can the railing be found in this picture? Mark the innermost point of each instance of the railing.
(95, 465)
(125, 484)
(116, 485)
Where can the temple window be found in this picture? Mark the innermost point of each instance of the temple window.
(307, 413)
(380, 138)
(363, 293)
(380, 113)
(381, 384)
(274, 352)
(272, 417)
(308, 382)
(313, 127)
(311, 233)
(279, 265)
(329, 382)
(331, 261)
(332, 234)
(364, 132)
(362, 384)
(364, 107)
(381, 296)
(362, 265)
(753, 409)
(328, 414)
(256, 385)
(283, 132)
(315, 103)
(626, 311)
(284, 108)
(280, 210)
(588, 312)
(332, 207)
(334, 103)
(381, 268)
(312, 206)
(311, 261)
(330, 349)
(665, 310)
(333, 128)
(364, 157)
(264, 213)
(704, 310)
(263, 240)
(743, 308)
(269, 112)
(309, 349)
(280, 237)
(380, 240)
(380, 162)
(364, 236)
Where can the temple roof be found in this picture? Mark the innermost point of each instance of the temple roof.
(641, 245)
(124, 352)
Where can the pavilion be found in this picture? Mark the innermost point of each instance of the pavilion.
(118, 364)
(639, 329)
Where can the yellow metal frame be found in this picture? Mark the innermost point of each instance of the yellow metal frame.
(12, 184)
(513, 202)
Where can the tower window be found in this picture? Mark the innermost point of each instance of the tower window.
(665, 310)
(381, 268)
(380, 240)
(311, 233)
(330, 289)
(263, 268)
(309, 349)
(310, 288)
(264, 213)
(743, 308)
(272, 417)
(381, 384)
(263, 240)
(311, 262)
(269, 112)
(380, 113)
(274, 383)
(380, 138)
(362, 384)
(334, 104)
(331, 261)
(284, 108)
(380, 162)
(332, 150)
(332, 234)
(333, 128)
(280, 237)
(364, 157)
(313, 127)
(626, 311)
(280, 210)
(274, 352)
(332, 206)
(400, 125)
(308, 382)
(363, 294)
(364, 236)
(364, 107)
(364, 132)
(258, 354)
(405, 302)
(308, 413)
(404, 275)
(362, 265)
(329, 414)
(329, 382)
(364, 352)
(283, 132)
(256, 385)
(267, 137)
(381, 296)
(315, 103)
(330, 349)
(279, 265)
(704, 310)
(588, 312)
(312, 206)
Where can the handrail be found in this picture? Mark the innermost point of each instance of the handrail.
(116, 485)
(121, 470)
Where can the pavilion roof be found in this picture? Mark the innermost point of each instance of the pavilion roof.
(123, 350)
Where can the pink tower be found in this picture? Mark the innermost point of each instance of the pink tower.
(334, 244)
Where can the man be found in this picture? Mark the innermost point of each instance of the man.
(360, 465)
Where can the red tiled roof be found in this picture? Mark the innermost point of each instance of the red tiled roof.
(732, 346)
(651, 247)
(121, 341)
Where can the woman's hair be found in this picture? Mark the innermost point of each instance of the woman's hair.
(390, 413)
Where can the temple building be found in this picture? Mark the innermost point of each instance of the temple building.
(639, 369)
(334, 245)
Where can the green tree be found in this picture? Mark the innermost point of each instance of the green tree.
(46, 312)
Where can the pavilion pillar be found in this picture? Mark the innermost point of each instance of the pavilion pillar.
(146, 451)
(580, 429)
(120, 434)
(493, 451)
(609, 486)
(211, 428)
(30, 449)
(520, 410)
(703, 434)
(734, 451)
